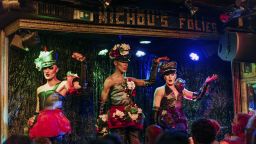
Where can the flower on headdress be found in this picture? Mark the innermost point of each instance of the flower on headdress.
(119, 50)
(44, 60)
(69, 73)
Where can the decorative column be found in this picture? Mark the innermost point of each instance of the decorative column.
(3, 86)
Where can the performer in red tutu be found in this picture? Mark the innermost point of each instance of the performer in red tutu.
(49, 119)
(167, 104)
(123, 117)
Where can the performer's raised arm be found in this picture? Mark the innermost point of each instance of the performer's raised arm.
(153, 73)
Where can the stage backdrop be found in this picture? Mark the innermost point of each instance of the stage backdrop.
(81, 110)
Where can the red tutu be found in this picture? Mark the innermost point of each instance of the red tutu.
(50, 123)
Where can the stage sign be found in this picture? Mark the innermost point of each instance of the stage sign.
(129, 18)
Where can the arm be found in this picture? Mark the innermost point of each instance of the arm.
(37, 101)
(158, 95)
(62, 88)
(104, 95)
(32, 120)
(202, 91)
(153, 73)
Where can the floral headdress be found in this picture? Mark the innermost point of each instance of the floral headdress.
(44, 60)
(69, 73)
(120, 52)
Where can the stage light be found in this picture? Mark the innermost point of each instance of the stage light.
(145, 42)
(140, 53)
(103, 52)
(194, 56)
(106, 3)
(192, 9)
(25, 40)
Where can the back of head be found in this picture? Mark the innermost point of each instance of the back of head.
(203, 131)
(216, 125)
(152, 132)
(239, 123)
(42, 140)
(18, 139)
(114, 138)
(173, 137)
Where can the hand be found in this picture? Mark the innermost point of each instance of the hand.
(162, 58)
(211, 78)
(31, 121)
(78, 56)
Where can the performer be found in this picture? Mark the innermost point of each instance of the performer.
(167, 104)
(49, 119)
(124, 116)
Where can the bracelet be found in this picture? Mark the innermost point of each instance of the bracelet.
(36, 113)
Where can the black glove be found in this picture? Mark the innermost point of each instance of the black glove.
(202, 91)
(153, 73)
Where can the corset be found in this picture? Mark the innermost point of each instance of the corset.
(120, 94)
(50, 98)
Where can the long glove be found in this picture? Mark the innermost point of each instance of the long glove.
(155, 114)
(102, 108)
(153, 73)
(202, 91)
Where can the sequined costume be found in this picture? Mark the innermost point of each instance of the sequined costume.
(122, 107)
(170, 114)
(50, 122)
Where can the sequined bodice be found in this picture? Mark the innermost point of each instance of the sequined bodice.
(50, 98)
(120, 94)
(170, 101)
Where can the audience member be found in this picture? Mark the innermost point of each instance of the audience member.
(250, 129)
(18, 139)
(203, 131)
(42, 140)
(152, 132)
(173, 137)
(114, 138)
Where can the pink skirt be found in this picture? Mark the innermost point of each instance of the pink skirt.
(50, 123)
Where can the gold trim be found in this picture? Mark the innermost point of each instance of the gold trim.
(104, 29)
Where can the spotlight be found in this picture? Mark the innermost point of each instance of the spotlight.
(23, 41)
(192, 9)
(103, 52)
(145, 42)
(106, 3)
(194, 57)
(140, 53)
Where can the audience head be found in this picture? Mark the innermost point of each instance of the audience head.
(114, 138)
(42, 140)
(239, 123)
(203, 131)
(152, 132)
(216, 125)
(18, 139)
(174, 137)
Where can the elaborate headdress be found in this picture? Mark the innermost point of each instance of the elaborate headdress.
(168, 67)
(44, 60)
(120, 52)
(69, 73)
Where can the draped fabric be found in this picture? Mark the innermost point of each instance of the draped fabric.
(236, 86)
